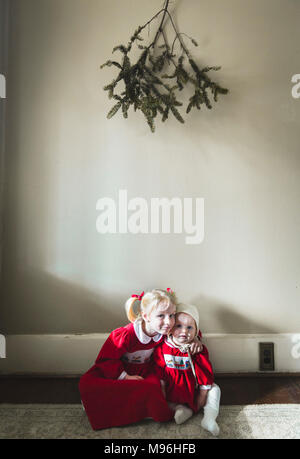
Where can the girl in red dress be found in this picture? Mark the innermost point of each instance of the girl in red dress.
(122, 387)
(189, 381)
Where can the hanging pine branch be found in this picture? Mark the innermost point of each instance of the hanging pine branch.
(146, 86)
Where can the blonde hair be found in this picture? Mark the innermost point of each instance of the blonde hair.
(150, 301)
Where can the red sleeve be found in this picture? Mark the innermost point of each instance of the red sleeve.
(203, 367)
(109, 359)
(159, 362)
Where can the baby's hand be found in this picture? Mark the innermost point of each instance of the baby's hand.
(196, 346)
(133, 377)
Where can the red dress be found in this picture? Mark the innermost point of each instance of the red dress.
(108, 399)
(173, 366)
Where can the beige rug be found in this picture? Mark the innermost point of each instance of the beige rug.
(70, 421)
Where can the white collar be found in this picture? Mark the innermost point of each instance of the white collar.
(141, 335)
(183, 348)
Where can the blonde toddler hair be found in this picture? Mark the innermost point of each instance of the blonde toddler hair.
(149, 302)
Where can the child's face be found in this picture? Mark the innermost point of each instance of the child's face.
(184, 330)
(160, 320)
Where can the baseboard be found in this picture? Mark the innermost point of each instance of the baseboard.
(63, 355)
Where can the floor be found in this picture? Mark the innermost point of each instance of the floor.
(236, 390)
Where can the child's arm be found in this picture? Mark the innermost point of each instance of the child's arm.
(109, 359)
(203, 369)
(160, 366)
(159, 360)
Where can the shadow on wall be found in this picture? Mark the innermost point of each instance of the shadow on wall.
(36, 302)
(226, 319)
(246, 390)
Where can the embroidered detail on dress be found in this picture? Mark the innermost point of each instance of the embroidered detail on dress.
(177, 362)
(138, 357)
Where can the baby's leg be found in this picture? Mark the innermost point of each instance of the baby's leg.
(211, 410)
(201, 398)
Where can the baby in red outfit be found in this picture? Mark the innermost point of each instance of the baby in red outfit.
(189, 380)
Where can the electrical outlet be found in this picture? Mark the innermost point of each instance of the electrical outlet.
(266, 357)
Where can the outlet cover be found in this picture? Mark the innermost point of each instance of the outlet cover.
(266, 357)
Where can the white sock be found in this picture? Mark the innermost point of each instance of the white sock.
(211, 410)
(209, 421)
(182, 414)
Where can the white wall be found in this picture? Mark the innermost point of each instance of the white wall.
(60, 275)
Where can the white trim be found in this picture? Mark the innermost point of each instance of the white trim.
(122, 375)
(239, 353)
(74, 354)
(141, 336)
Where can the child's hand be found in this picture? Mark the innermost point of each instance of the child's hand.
(133, 377)
(196, 346)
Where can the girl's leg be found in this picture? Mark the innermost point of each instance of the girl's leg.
(211, 410)
(111, 403)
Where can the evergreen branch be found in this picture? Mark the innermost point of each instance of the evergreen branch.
(114, 110)
(144, 86)
(178, 35)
